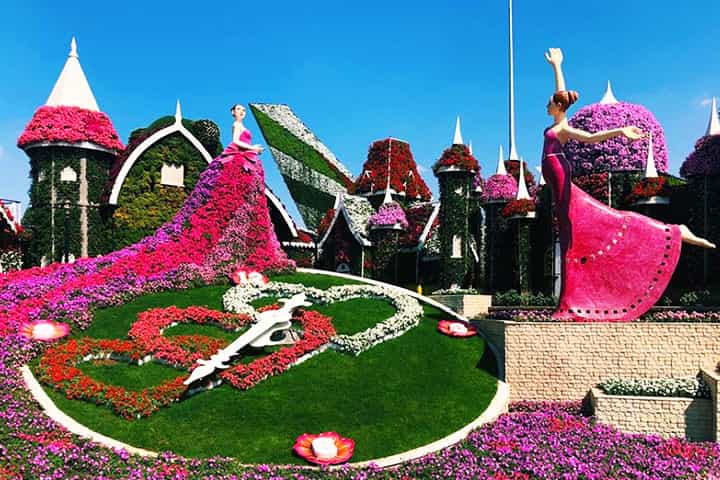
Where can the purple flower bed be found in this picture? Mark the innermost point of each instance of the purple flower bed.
(705, 159)
(616, 153)
(389, 214)
(499, 187)
(537, 440)
(544, 315)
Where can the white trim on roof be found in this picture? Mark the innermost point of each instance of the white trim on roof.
(147, 143)
(283, 211)
(340, 207)
(428, 226)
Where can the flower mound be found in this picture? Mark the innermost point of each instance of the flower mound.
(457, 157)
(389, 215)
(518, 208)
(705, 159)
(499, 188)
(617, 153)
(456, 328)
(71, 125)
(326, 448)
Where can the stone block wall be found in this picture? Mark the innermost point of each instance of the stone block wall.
(712, 378)
(469, 306)
(563, 360)
(666, 416)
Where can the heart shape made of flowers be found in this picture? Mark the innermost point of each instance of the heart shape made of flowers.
(409, 311)
(58, 366)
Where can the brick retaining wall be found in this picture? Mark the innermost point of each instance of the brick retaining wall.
(562, 360)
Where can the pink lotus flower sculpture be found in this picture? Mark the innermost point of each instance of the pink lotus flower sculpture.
(45, 330)
(326, 448)
(456, 328)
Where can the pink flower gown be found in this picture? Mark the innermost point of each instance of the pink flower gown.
(248, 157)
(615, 264)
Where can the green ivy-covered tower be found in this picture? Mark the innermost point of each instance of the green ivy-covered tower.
(71, 145)
(455, 171)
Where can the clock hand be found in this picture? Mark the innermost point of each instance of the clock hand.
(257, 335)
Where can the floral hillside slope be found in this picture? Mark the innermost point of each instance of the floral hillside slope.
(213, 232)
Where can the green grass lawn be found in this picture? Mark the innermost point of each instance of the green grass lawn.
(399, 395)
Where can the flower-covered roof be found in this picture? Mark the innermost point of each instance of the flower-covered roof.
(499, 188)
(7, 220)
(71, 113)
(704, 159)
(357, 212)
(391, 157)
(616, 153)
(423, 220)
(68, 124)
(388, 215)
(457, 157)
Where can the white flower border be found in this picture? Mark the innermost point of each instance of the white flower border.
(408, 314)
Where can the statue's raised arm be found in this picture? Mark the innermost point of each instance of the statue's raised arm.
(554, 57)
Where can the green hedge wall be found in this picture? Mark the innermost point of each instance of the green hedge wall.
(144, 204)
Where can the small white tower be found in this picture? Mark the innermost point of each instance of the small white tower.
(500, 170)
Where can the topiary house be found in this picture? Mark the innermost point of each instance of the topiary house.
(456, 169)
(151, 180)
(71, 145)
(701, 204)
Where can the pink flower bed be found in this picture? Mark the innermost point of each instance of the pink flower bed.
(71, 125)
(389, 214)
(499, 187)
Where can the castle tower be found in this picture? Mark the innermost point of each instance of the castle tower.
(455, 171)
(71, 145)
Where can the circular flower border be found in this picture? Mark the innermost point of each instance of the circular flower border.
(408, 314)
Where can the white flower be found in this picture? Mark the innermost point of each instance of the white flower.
(408, 309)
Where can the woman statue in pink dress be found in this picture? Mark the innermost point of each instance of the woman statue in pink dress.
(240, 145)
(615, 264)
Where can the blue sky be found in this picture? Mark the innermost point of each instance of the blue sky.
(359, 72)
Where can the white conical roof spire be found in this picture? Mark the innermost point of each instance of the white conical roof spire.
(72, 88)
(609, 97)
(650, 169)
(470, 147)
(714, 124)
(457, 138)
(178, 112)
(522, 192)
(500, 170)
(388, 197)
(542, 178)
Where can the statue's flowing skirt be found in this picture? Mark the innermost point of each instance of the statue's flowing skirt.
(616, 264)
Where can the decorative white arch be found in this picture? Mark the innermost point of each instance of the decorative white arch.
(340, 208)
(149, 142)
(283, 211)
